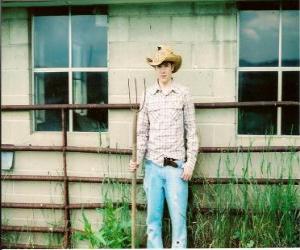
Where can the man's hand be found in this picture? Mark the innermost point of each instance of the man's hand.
(187, 174)
(133, 166)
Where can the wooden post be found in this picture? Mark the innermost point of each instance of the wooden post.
(133, 181)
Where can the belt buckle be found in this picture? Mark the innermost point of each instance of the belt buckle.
(170, 162)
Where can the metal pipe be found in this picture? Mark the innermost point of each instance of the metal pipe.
(28, 246)
(194, 181)
(31, 205)
(141, 207)
(61, 206)
(214, 105)
(62, 106)
(67, 220)
(32, 229)
(6, 147)
(218, 105)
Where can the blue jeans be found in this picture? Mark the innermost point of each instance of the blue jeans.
(160, 183)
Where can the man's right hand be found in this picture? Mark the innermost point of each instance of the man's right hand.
(133, 166)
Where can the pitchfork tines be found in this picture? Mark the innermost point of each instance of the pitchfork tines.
(136, 94)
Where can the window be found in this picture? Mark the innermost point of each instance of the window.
(70, 66)
(269, 67)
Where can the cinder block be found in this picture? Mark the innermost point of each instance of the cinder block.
(262, 140)
(33, 217)
(224, 134)
(214, 55)
(192, 28)
(19, 31)
(15, 57)
(85, 193)
(46, 138)
(117, 139)
(118, 29)
(118, 99)
(207, 165)
(150, 28)
(15, 116)
(118, 81)
(5, 32)
(205, 134)
(132, 55)
(15, 82)
(15, 132)
(208, 8)
(116, 115)
(34, 163)
(199, 82)
(34, 198)
(184, 8)
(15, 100)
(88, 139)
(128, 10)
(215, 116)
(7, 187)
(153, 9)
(46, 191)
(88, 164)
(224, 84)
(225, 28)
(128, 54)
(14, 13)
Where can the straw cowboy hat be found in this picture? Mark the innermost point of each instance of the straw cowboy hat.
(165, 54)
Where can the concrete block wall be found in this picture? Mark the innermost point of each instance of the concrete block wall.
(204, 34)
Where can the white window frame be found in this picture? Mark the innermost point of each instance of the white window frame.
(68, 69)
(279, 69)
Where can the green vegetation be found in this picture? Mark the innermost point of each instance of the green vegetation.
(114, 231)
(248, 215)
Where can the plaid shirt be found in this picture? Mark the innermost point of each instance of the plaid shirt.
(166, 126)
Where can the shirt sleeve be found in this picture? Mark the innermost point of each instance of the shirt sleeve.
(142, 131)
(190, 129)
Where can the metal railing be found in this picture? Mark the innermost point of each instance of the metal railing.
(66, 206)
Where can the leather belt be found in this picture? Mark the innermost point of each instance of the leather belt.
(170, 162)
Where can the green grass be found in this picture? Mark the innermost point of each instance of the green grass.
(269, 213)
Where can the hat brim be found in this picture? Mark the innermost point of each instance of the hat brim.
(176, 59)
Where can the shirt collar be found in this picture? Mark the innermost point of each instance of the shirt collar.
(156, 87)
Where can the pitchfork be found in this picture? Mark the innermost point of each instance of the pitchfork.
(134, 158)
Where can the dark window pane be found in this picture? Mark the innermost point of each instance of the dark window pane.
(259, 38)
(257, 5)
(90, 87)
(50, 88)
(257, 121)
(290, 92)
(89, 10)
(50, 41)
(89, 40)
(257, 86)
(290, 38)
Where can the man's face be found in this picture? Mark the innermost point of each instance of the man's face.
(164, 71)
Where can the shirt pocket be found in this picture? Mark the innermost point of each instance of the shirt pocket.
(176, 112)
(153, 111)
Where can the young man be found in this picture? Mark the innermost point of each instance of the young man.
(166, 136)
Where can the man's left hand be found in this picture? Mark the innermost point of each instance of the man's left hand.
(187, 174)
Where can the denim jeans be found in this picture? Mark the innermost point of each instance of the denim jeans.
(162, 183)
